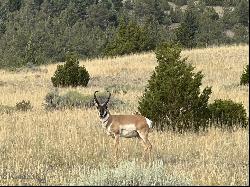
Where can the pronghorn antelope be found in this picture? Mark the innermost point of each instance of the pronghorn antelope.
(127, 126)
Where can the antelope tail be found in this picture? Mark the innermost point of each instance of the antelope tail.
(149, 122)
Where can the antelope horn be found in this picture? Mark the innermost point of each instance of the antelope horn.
(96, 98)
(108, 98)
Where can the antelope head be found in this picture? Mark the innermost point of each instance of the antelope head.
(102, 108)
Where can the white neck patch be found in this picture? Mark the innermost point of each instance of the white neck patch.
(104, 121)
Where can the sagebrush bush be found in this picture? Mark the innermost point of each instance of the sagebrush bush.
(74, 99)
(70, 74)
(226, 113)
(23, 105)
(7, 109)
(172, 97)
(131, 173)
(71, 99)
(245, 76)
(118, 88)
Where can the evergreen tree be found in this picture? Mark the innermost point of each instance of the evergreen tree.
(14, 5)
(214, 2)
(81, 7)
(101, 15)
(189, 27)
(180, 2)
(69, 15)
(38, 3)
(244, 79)
(241, 34)
(172, 98)
(88, 27)
(242, 12)
(176, 14)
(130, 38)
(210, 29)
(70, 74)
(3, 17)
(117, 4)
(229, 19)
(150, 8)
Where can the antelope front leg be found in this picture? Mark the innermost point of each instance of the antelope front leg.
(116, 145)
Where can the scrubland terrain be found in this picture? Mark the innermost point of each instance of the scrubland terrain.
(67, 147)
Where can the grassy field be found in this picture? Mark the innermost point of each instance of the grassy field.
(69, 147)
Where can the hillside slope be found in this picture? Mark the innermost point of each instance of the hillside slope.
(221, 66)
(66, 147)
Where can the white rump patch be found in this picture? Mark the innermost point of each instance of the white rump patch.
(149, 122)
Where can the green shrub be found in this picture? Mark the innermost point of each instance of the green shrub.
(172, 97)
(131, 173)
(245, 76)
(70, 74)
(23, 105)
(74, 99)
(226, 113)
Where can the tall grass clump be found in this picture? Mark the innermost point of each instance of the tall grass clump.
(132, 173)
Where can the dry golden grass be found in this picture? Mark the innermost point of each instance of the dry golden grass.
(55, 148)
